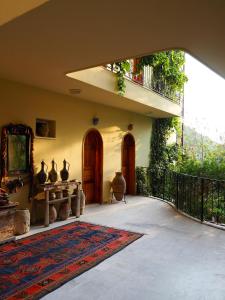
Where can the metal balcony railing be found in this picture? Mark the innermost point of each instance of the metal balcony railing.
(199, 197)
(146, 79)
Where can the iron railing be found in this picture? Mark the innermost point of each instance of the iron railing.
(146, 79)
(199, 197)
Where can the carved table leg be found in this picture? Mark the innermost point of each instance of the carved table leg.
(78, 202)
(46, 208)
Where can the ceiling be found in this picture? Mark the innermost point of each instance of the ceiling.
(41, 41)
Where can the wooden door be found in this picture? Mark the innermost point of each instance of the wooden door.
(128, 163)
(92, 167)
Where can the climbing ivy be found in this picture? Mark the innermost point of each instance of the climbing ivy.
(142, 181)
(162, 155)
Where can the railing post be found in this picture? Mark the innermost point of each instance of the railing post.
(164, 183)
(202, 199)
(177, 191)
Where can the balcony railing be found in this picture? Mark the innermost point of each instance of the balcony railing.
(199, 197)
(146, 79)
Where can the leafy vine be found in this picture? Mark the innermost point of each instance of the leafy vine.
(162, 155)
(168, 72)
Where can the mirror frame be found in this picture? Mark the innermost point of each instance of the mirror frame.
(16, 129)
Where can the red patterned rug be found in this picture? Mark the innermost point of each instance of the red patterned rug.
(34, 266)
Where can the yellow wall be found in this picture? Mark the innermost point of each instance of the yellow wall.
(23, 104)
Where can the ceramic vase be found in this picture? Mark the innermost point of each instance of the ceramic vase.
(64, 211)
(119, 186)
(52, 175)
(75, 203)
(42, 175)
(64, 173)
(22, 221)
(82, 202)
(52, 214)
(43, 129)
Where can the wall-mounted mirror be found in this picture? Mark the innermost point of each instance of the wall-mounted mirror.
(16, 150)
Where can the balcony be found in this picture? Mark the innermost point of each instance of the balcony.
(142, 95)
(147, 80)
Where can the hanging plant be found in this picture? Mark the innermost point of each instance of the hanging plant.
(121, 68)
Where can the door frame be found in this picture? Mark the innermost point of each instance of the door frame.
(122, 146)
(101, 166)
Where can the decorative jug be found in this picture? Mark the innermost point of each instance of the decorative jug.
(52, 175)
(42, 175)
(64, 173)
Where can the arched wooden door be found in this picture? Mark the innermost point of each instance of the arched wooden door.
(93, 166)
(128, 163)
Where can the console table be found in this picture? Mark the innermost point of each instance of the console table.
(56, 187)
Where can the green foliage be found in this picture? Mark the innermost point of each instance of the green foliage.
(213, 165)
(168, 71)
(141, 181)
(121, 69)
(162, 155)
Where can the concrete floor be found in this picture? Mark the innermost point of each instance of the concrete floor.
(177, 258)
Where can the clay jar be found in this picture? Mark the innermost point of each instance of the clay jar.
(64, 211)
(82, 202)
(52, 213)
(75, 203)
(64, 173)
(119, 186)
(22, 221)
(42, 129)
(52, 175)
(42, 175)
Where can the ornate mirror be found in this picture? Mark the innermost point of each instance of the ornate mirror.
(16, 151)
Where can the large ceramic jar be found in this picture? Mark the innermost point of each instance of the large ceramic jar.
(22, 221)
(76, 202)
(52, 214)
(119, 186)
(82, 202)
(64, 211)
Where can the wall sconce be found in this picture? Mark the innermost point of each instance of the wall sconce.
(130, 127)
(95, 121)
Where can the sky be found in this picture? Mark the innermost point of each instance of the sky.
(204, 100)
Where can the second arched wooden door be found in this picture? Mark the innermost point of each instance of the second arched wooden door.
(93, 166)
(128, 163)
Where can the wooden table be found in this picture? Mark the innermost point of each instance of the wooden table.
(56, 187)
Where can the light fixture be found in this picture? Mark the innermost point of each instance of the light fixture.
(95, 120)
(75, 91)
(130, 126)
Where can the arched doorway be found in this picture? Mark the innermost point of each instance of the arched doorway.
(92, 166)
(128, 163)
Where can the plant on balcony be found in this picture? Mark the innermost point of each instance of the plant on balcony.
(121, 68)
(168, 72)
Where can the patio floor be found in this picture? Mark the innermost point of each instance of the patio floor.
(177, 258)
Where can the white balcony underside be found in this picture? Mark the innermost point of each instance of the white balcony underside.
(99, 85)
